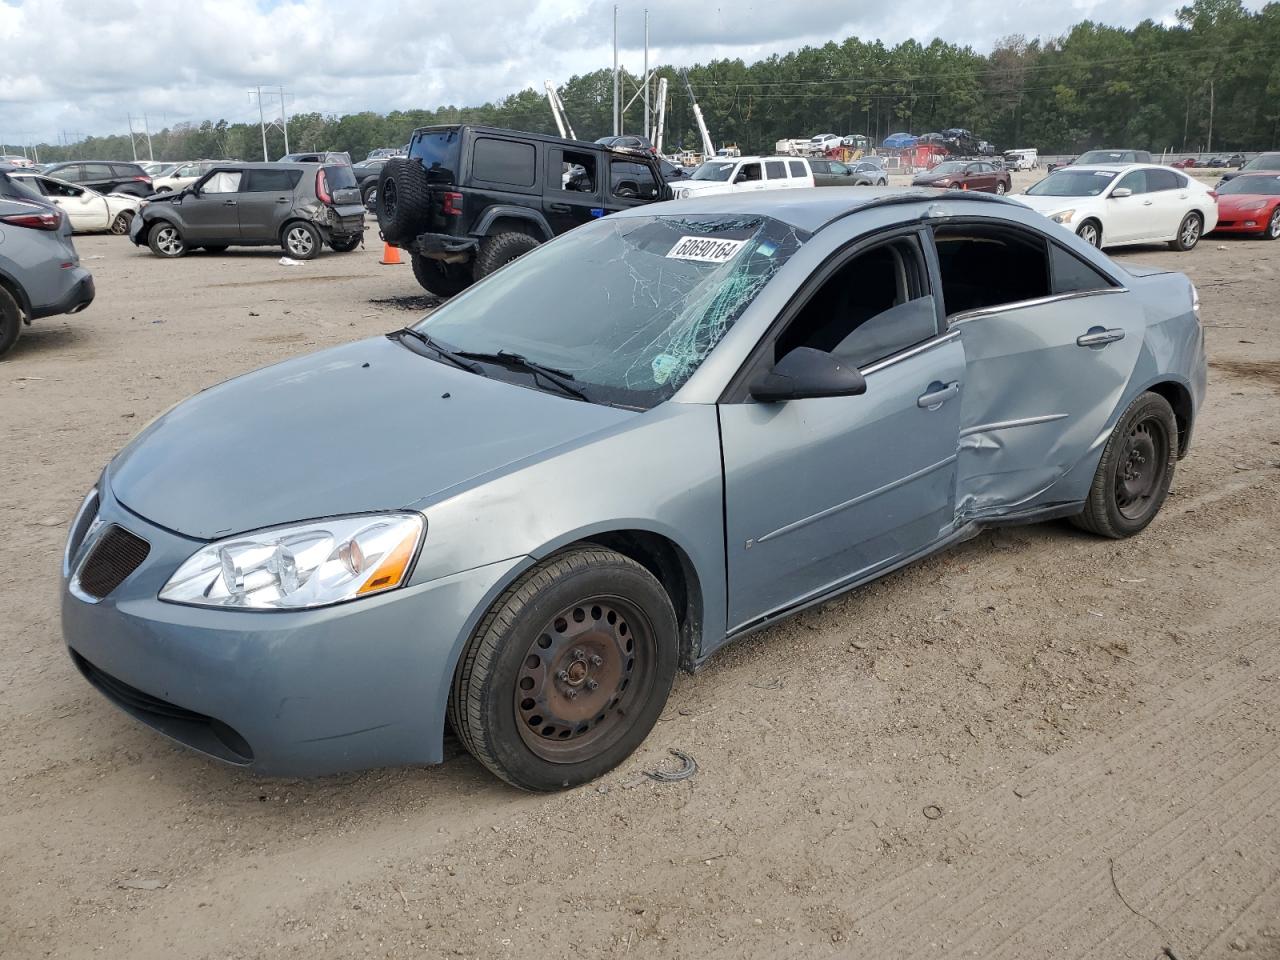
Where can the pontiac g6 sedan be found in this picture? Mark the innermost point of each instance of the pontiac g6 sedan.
(662, 431)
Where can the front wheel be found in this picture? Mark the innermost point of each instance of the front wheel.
(999, 189)
(1133, 476)
(567, 672)
(1273, 226)
(120, 225)
(165, 240)
(301, 241)
(1188, 232)
(1090, 233)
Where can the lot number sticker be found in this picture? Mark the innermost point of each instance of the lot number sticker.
(705, 249)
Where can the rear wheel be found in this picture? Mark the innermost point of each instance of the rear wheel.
(499, 250)
(10, 321)
(301, 241)
(165, 240)
(346, 244)
(568, 671)
(1135, 471)
(1188, 232)
(441, 279)
(120, 225)
(1091, 233)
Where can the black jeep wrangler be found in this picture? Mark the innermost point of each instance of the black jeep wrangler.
(468, 200)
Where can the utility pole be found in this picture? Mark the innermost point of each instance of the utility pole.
(617, 100)
(282, 124)
(262, 120)
(647, 131)
(1209, 146)
(284, 120)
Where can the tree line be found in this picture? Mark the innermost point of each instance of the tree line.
(1209, 81)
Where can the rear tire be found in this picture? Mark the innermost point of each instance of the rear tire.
(440, 279)
(166, 240)
(1188, 233)
(10, 321)
(499, 250)
(568, 671)
(1135, 471)
(346, 244)
(300, 240)
(403, 203)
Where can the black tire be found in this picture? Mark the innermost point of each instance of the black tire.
(499, 250)
(120, 225)
(1272, 232)
(1091, 233)
(1189, 232)
(300, 240)
(368, 191)
(584, 614)
(10, 321)
(440, 279)
(403, 204)
(346, 244)
(214, 248)
(1135, 471)
(166, 240)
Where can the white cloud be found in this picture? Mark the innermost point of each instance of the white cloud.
(84, 67)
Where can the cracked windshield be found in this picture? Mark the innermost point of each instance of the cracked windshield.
(662, 292)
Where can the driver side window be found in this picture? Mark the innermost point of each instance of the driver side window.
(750, 172)
(224, 181)
(1135, 180)
(875, 305)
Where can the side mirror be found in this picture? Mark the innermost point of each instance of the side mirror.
(1119, 193)
(808, 373)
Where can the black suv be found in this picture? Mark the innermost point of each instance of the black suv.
(105, 176)
(468, 199)
(297, 206)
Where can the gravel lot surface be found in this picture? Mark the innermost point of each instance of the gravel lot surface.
(1038, 744)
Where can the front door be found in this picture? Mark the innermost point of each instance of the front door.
(1131, 218)
(213, 213)
(822, 492)
(1049, 342)
(750, 176)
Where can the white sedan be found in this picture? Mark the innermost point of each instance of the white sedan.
(182, 175)
(87, 210)
(1115, 205)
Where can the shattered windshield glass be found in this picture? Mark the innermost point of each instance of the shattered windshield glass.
(629, 307)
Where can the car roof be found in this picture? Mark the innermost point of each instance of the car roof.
(759, 157)
(1115, 167)
(810, 210)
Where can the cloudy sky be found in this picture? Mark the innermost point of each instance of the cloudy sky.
(82, 66)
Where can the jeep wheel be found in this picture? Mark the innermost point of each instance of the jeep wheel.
(499, 250)
(440, 279)
(401, 200)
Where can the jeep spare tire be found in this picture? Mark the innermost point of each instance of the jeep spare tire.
(403, 204)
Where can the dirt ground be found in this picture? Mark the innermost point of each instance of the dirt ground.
(1038, 744)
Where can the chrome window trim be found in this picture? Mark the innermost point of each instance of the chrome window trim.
(908, 353)
(968, 315)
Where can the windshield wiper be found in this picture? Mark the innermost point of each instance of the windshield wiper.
(561, 379)
(457, 359)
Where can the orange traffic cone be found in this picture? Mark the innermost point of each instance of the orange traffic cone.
(390, 255)
(963, 186)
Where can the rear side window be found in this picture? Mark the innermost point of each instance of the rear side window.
(127, 170)
(270, 181)
(572, 170)
(797, 168)
(72, 173)
(775, 169)
(1073, 275)
(1162, 180)
(987, 265)
(98, 171)
(438, 152)
(503, 161)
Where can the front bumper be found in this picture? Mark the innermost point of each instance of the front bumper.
(298, 693)
(78, 296)
(1244, 223)
(137, 229)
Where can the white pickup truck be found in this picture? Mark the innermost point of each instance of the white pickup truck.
(736, 175)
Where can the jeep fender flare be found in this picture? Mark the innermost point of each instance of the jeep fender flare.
(534, 218)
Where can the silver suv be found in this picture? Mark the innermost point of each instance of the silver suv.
(40, 272)
(297, 206)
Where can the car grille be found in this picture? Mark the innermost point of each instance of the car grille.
(116, 555)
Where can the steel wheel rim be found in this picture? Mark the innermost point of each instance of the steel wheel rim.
(1275, 223)
(300, 242)
(1140, 472)
(1190, 232)
(583, 677)
(169, 241)
(999, 188)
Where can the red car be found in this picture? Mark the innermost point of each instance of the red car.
(1250, 204)
(966, 175)
(1184, 163)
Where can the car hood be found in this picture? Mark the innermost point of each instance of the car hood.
(1050, 205)
(1241, 201)
(705, 186)
(366, 426)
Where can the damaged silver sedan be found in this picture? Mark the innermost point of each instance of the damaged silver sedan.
(657, 433)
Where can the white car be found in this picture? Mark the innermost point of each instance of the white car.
(87, 210)
(824, 142)
(740, 174)
(16, 160)
(183, 175)
(1115, 205)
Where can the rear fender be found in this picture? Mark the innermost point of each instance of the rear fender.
(534, 219)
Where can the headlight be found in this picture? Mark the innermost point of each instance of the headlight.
(1063, 217)
(683, 194)
(301, 566)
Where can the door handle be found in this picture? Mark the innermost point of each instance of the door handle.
(282, 199)
(1099, 337)
(1146, 203)
(558, 207)
(228, 203)
(937, 394)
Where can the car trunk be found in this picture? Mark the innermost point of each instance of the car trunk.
(344, 197)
